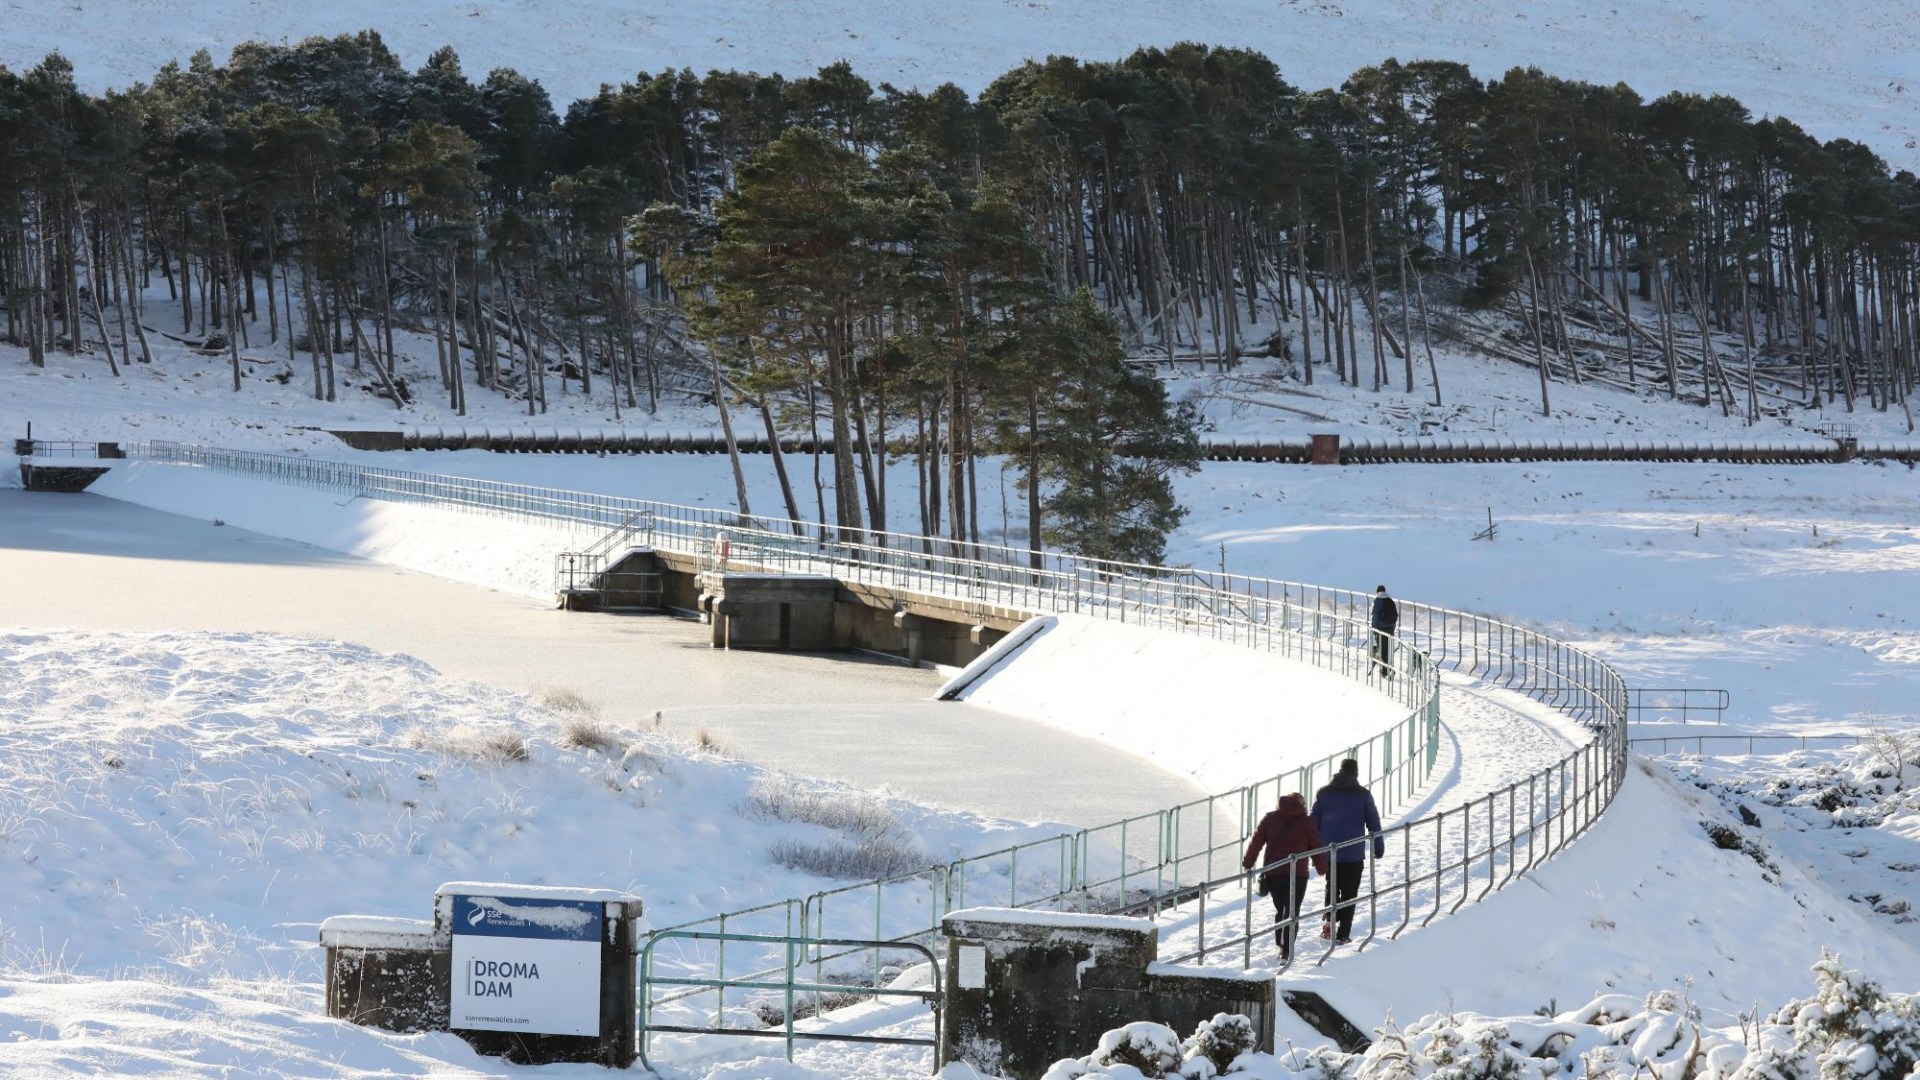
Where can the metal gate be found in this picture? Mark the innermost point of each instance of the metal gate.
(782, 979)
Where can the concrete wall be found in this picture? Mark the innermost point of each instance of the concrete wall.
(821, 614)
(391, 979)
(752, 610)
(1025, 989)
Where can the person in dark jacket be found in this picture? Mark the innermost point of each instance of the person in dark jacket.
(1286, 831)
(1345, 813)
(1385, 619)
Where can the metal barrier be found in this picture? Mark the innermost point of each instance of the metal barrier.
(1162, 861)
(1733, 742)
(788, 985)
(585, 571)
(66, 448)
(1646, 705)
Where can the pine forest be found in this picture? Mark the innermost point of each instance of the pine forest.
(866, 274)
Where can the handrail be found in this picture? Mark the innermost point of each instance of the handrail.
(1645, 744)
(788, 985)
(1320, 624)
(1648, 704)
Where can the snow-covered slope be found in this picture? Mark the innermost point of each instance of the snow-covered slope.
(1841, 70)
(200, 801)
(1242, 715)
(1644, 902)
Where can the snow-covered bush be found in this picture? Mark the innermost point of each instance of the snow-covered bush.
(1849, 1029)
(1140, 1049)
(870, 841)
(1471, 1052)
(1221, 1040)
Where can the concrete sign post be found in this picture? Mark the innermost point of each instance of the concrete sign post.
(530, 973)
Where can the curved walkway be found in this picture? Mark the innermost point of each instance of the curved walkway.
(1490, 739)
(96, 563)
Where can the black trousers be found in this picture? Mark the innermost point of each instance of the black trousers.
(1383, 652)
(1286, 890)
(1346, 886)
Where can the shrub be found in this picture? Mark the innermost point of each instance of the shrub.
(491, 745)
(1222, 1039)
(868, 857)
(1151, 1048)
(580, 732)
(779, 797)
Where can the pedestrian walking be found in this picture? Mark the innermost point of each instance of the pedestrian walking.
(1286, 831)
(1384, 619)
(1345, 814)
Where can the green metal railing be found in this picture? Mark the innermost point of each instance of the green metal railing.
(787, 986)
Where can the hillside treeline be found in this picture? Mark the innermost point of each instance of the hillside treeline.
(933, 274)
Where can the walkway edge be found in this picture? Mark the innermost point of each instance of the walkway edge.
(997, 654)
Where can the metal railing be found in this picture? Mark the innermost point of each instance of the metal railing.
(585, 571)
(66, 448)
(1646, 705)
(1427, 868)
(1165, 860)
(1741, 744)
(788, 985)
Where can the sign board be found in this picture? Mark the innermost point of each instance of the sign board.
(973, 967)
(526, 965)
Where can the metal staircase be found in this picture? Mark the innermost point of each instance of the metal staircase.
(617, 572)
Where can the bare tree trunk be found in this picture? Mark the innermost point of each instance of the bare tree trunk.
(726, 430)
(129, 295)
(780, 464)
(1539, 343)
(94, 285)
(1426, 334)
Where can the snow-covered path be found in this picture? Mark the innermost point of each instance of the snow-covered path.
(1491, 740)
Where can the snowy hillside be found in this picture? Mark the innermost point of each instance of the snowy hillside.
(1840, 70)
(202, 801)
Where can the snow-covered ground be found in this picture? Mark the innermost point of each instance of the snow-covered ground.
(1243, 714)
(1845, 70)
(147, 943)
(178, 811)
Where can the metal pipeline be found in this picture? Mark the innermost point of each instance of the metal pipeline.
(1357, 451)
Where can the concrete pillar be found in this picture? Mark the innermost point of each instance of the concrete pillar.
(1025, 989)
(1326, 449)
(386, 973)
(914, 627)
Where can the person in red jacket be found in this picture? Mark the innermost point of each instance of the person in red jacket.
(1284, 832)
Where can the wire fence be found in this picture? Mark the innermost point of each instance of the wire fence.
(1180, 863)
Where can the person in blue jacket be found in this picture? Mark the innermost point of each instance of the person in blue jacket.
(1345, 814)
(1385, 619)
